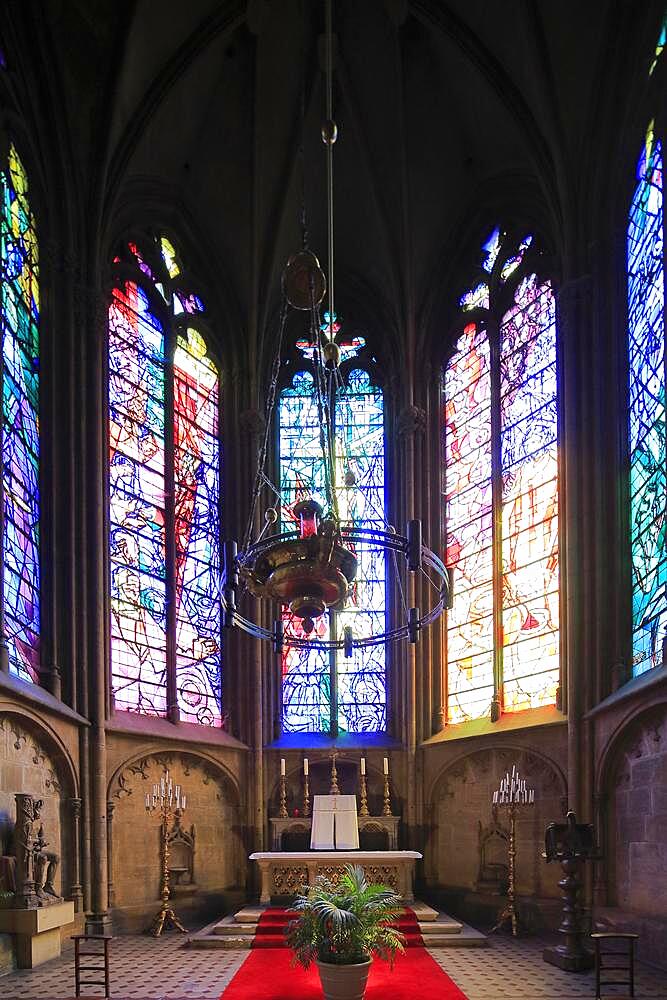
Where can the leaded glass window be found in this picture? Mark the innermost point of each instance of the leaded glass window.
(501, 490)
(164, 486)
(19, 314)
(647, 451)
(322, 692)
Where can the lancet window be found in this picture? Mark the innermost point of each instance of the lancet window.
(326, 692)
(500, 486)
(19, 315)
(164, 491)
(646, 399)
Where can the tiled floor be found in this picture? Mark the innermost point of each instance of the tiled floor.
(144, 967)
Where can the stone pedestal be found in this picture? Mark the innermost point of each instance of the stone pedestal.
(37, 931)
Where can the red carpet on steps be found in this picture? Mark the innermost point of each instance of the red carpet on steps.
(270, 932)
(268, 975)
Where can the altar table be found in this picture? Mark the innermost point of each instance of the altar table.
(284, 872)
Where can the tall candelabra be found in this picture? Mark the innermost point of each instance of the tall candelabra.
(283, 790)
(512, 794)
(168, 800)
(306, 788)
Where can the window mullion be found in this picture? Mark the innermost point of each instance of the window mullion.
(170, 530)
(497, 517)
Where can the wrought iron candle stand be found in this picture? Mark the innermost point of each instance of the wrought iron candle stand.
(168, 801)
(571, 843)
(513, 794)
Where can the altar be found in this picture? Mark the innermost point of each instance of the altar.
(284, 872)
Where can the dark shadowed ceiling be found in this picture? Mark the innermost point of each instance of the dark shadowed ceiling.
(450, 114)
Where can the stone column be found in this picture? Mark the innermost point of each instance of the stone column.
(111, 894)
(76, 892)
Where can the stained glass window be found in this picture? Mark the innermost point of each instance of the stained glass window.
(647, 443)
(164, 498)
(325, 692)
(19, 314)
(501, 491)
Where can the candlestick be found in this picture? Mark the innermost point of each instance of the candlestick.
(283, 795)
(512, 792)
(334, 790)
(386, 807)
(363, 809)
(162, 801)
(306, 793)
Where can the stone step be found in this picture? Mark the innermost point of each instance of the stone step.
(423, 911)
(443, 925)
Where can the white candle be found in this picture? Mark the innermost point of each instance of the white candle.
(532, 795)
(305, 766)
(148, 801)
(495, 798)
(282, 767)
(385, 765)
(183, 803)
(363, 766)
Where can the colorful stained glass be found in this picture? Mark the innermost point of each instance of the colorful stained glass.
(529, 422)
(137, 503)
(467, 388)
(660, 47)
(144, 653)
(360, 695)
(505, 617)
(19, 314)
(197, 525)
(647, 434)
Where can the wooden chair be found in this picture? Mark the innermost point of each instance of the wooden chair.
(622, 960)
(79, 969)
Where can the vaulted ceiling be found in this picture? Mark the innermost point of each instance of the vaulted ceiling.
(449, 114)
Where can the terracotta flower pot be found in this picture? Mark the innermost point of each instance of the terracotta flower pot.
(344, 982)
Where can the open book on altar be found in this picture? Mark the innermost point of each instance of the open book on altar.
(334, 823)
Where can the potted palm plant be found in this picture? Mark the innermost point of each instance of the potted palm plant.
(341, 928)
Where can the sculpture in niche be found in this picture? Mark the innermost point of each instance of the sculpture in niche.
(493, 869)
(181, 844)
(34, 868)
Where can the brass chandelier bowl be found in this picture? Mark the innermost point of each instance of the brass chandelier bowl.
(310, 570)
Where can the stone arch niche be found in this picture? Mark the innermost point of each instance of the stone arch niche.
(213, 808)
(33, 761)
(461, 805)
(635, 787)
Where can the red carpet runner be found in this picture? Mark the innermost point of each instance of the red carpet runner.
(270, 931)
(267, 973)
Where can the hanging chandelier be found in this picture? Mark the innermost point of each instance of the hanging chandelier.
(312, 569)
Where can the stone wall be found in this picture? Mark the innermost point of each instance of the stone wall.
(462, 802)
(212, 807)
(638, 816)
(25, 766)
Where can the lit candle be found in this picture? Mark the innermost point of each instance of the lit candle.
(305, 766)
(385, 765)
(282, 767)
(363, 766)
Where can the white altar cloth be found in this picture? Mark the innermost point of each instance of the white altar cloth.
(334, 823)
(284, 872)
